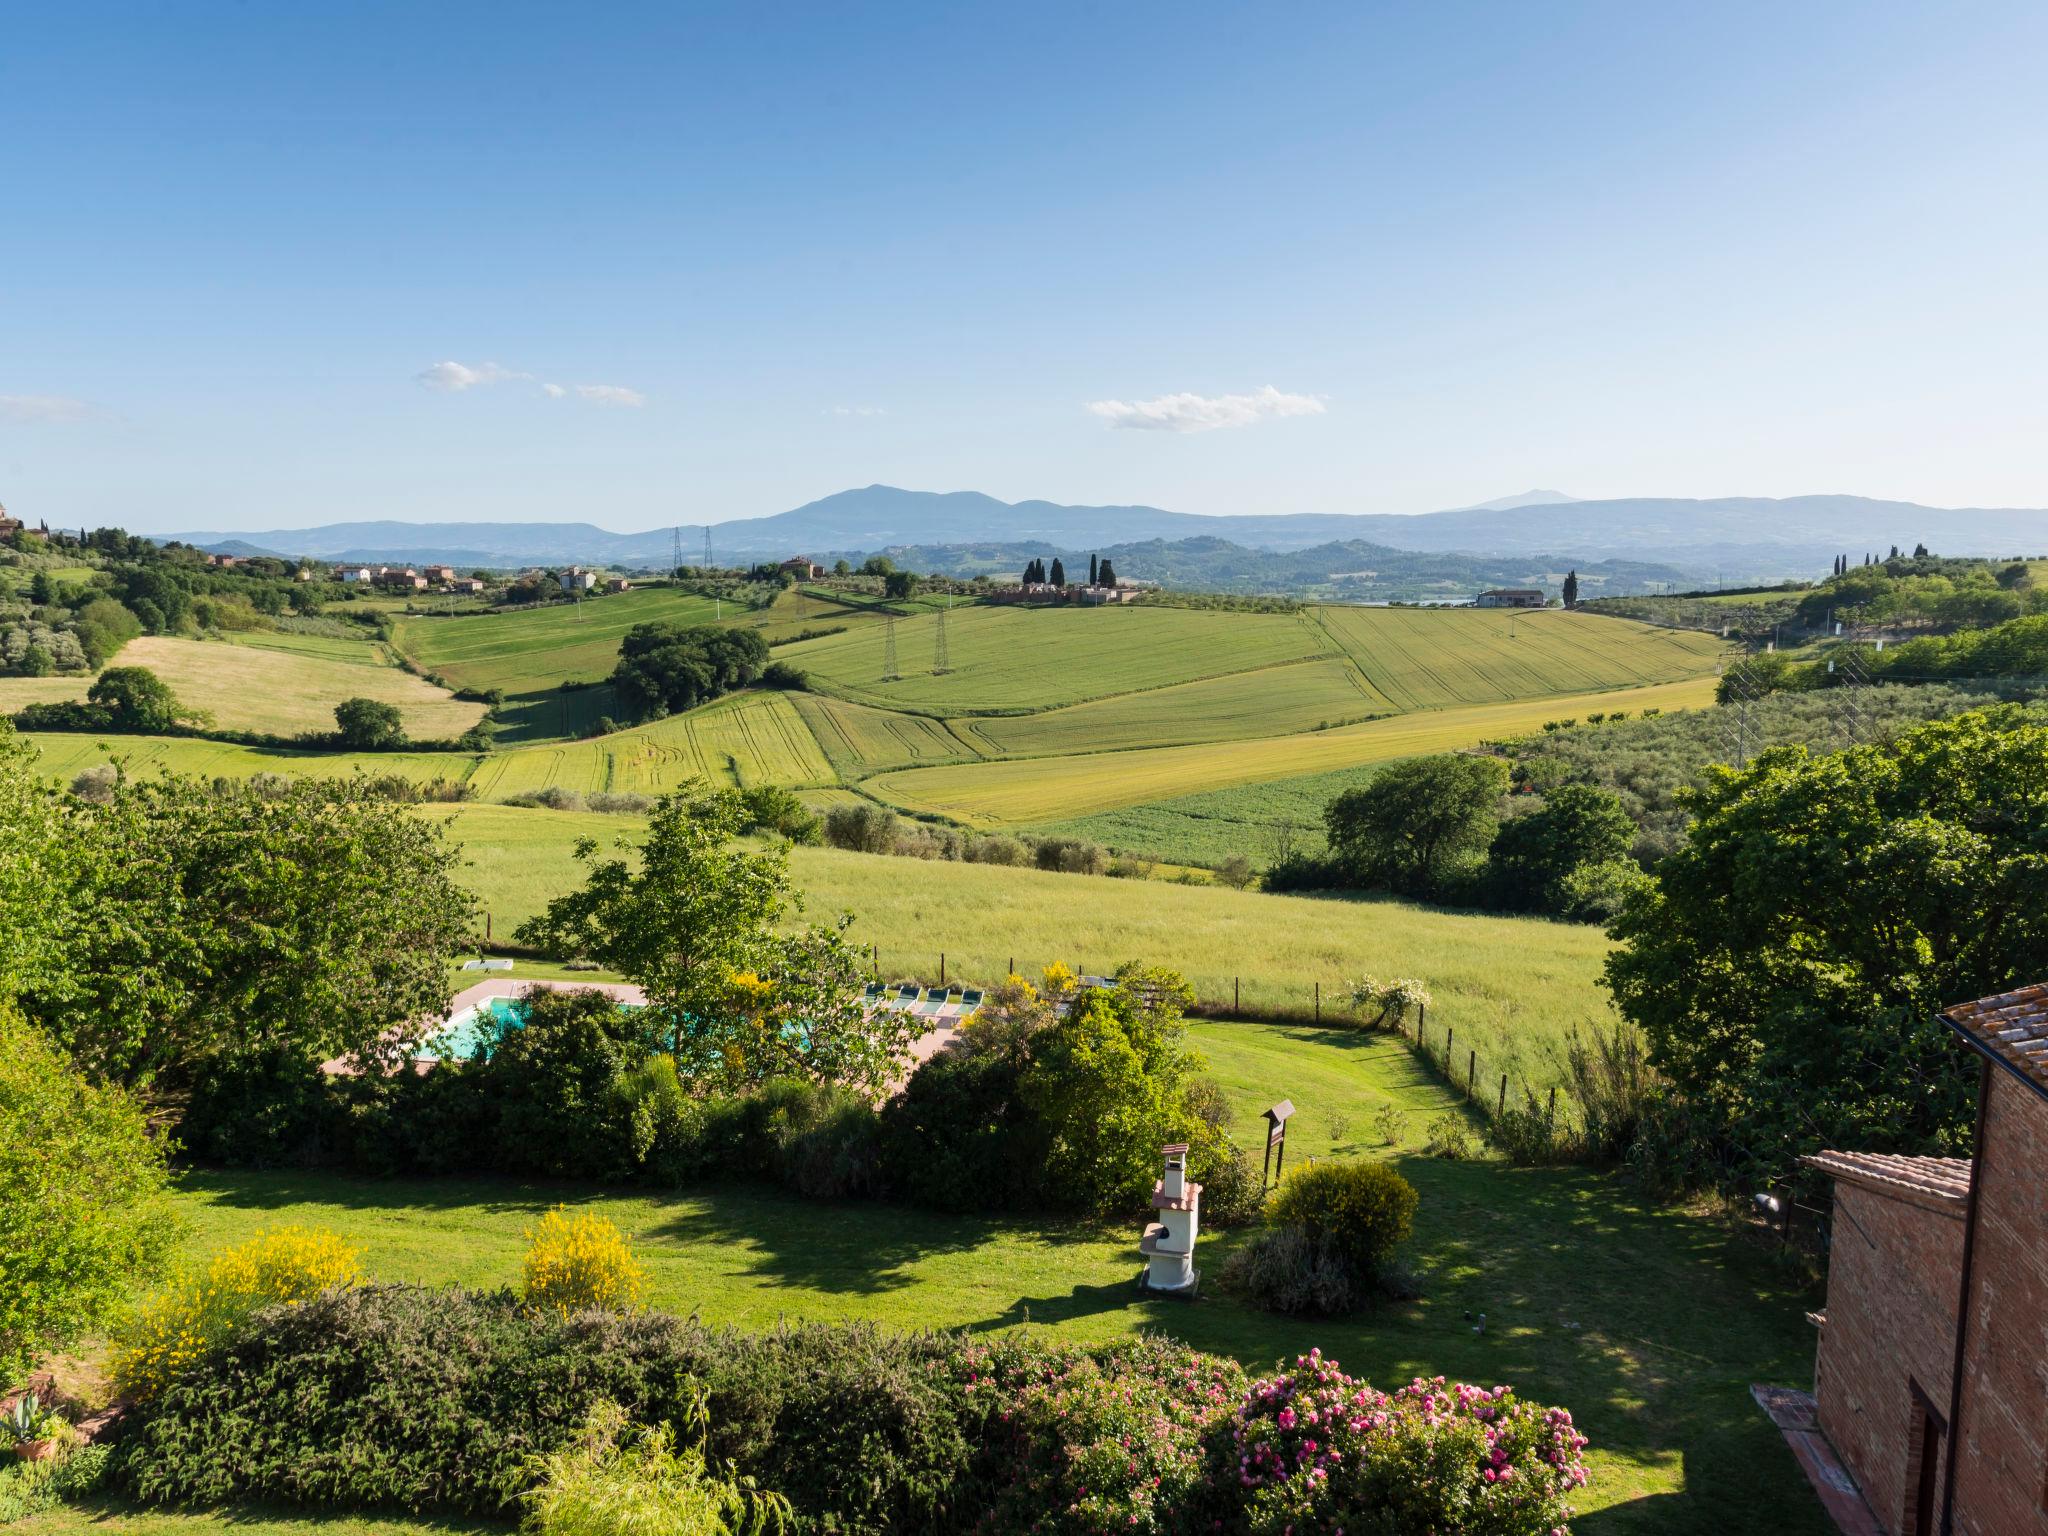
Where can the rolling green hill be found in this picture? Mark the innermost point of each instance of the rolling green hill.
(1044, 717)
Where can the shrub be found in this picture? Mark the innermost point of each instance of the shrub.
(618, 803)
(580, 1263)
(1288, 1270)
(84, 1211)
(558, 1088)
(1320, 1452)
(1527, 1136)
(606, 1484)
(289, 1264)
(1071, 856)
(1448, 1136)
(1390, 1123)
(1362, 1209)
(1235, 871)
(97, 783)
(780, 674)
(771, 808)
(553, 798)
(862, 828)
(1388, 1004)
(1111, 1440)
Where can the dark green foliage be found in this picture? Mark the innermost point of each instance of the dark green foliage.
(862, 828)
(897, 585)
(957, 1139)
(1361, 1208)
(1535, 854)
(136, 699)
(1105, 575)
(784, 675)
(664, 668)
(432, 1400)
(1417, 822)
(561, 1086)
(1289, 1270)
(1059, 573)
(368, 725)
(1788, 964)
(771, 808)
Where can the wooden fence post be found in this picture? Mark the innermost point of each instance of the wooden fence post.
(942, 967)
(1553, 1104)
(1450, 1034)
(1421, 1018)
(1503, 1106)
(1319, 1002)
(1472, 1075)
(1236, 998)
(487, 927)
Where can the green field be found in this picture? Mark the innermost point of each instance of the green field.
(1512, 988)
(1256, 820)
(1024, 792)
(525, 649)
(1575, 1276)
(1272, 701)
(860, 739)
(279, 684)
(1429, 658)
(1022, 659)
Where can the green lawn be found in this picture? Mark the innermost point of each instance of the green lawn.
(1513, 988)
(1648, 1323)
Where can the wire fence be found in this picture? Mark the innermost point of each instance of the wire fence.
(1487, 1088)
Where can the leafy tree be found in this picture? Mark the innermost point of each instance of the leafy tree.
(899, 584)
(698, 923)
(41, 590)
(1059, 572)
(665, 667)
(85, 1210)
(368, 725)
(199, 919)
(561, 1084)
(1788, 962)
(1571, 589)
(136, 699)
(1535, 854)
(841, 568)
(1416, 822)
(1106, 574)
(103, 626)
(877, 565)
(39, 849)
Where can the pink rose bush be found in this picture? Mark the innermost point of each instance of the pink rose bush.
(1112, 1440)
(1318, 1453)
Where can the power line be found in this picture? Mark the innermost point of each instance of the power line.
(889, 672)
(940, 664)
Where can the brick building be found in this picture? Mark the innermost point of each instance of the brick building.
(1935, 1336)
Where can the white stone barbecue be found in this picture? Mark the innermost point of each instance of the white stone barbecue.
(1169, 1243)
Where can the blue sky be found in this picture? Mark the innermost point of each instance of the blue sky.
(696, 263)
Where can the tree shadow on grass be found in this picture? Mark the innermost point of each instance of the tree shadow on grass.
(122, 1515)
(862, 1248)
(280, 1189)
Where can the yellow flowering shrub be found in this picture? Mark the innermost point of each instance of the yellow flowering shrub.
(1360, 1207)
(1058, 979)
(289, 1264)
(578, 1262)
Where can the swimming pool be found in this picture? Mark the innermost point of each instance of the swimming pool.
(480, 1026)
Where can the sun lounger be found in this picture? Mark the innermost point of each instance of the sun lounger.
(970, 999)
(497, 965)
(934, 1002)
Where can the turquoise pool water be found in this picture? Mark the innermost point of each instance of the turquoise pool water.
(473, 1029)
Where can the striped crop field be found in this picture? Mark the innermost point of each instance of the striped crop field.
(742, 740)
(1267, 701)
(1433, 658)
(1020, 792)
(860, 739)
(284, 685)
(1013, 660)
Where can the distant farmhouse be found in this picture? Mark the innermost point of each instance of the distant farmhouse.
(9, 526)
(1929, 1376)
(1509, 597)
(803, 568)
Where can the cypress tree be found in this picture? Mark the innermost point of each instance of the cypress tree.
(1059, 572)
(1106, 576)
(1092, 571)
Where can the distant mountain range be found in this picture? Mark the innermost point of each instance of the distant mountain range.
(1741, 538)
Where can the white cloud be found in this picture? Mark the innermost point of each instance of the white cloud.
(452, 378)
(49, 410)
(610, 394)
(1204, 413)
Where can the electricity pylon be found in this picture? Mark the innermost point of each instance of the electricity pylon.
(889, 672)
(940, 665)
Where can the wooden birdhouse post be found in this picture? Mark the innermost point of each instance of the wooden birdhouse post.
(1276, 1142)
(1169, 1243)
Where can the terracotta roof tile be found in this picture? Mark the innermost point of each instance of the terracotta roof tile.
(2012, 1027)
(1946, 1178)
